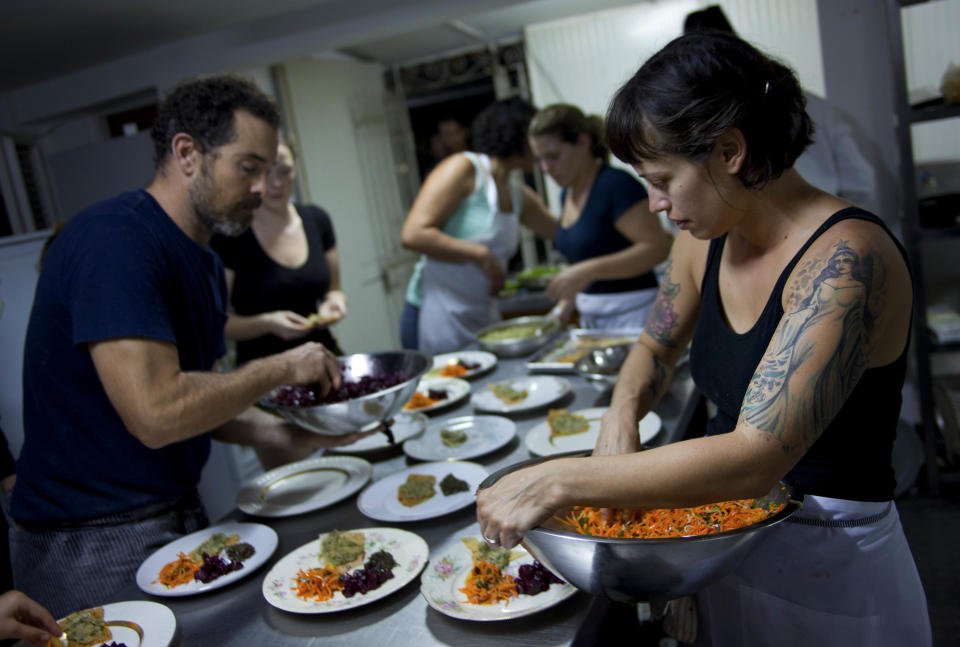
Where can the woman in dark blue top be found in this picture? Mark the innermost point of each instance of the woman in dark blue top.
(799, 308)
(606, 231)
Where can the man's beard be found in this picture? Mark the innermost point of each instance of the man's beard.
(232, 222)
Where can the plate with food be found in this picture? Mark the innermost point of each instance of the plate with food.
(207, 559)
(423, 491)
(137, 623)
(461, 438)
(470, 580)
(303, 486)
(403, 426)
(465, 364)
(437, 393)
(345, 569)
(567, 431)
(520, 393)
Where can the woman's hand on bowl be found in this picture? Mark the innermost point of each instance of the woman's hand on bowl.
(568, 283)
(519, 501)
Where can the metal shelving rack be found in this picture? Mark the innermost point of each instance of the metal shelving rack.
(915, 235)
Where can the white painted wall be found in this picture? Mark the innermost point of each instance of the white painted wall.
(585, 59)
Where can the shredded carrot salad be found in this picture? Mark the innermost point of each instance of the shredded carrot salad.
(486, 584)
(177, 572)
(668, 522)
(453, 370)
(317, 584)
(419, 401)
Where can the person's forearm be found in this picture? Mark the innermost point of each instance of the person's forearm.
(255, 428)
(635, 260)
(244, 327)
(198, 402)
(642, 381)
(687, 473)
(336, 296)
(443, 247)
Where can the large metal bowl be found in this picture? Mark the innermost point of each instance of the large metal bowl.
(601, 366)
(518, 346)
(366, 412)
(635, 570)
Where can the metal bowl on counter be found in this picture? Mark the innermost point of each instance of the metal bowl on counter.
(517, 337)
(367, 411)
(601, 366)
(636, 570)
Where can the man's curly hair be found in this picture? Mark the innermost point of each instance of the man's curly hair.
(204, 109)
(500, 130)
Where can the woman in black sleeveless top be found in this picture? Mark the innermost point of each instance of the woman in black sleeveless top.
(798, 306)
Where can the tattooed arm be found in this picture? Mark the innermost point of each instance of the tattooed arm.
(648, 369)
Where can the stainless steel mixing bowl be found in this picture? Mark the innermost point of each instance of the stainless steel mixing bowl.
(518, 346)
(366, 412)
(601, 366)
(635, 570)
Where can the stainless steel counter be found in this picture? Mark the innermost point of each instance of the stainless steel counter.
(239, 615)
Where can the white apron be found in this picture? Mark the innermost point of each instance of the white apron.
(617, 310)
(456, 296)
(815, 585)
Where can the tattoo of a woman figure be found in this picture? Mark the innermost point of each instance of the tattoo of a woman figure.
(663, 318)
(829, 316)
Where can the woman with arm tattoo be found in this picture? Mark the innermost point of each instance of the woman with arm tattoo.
(797, 306)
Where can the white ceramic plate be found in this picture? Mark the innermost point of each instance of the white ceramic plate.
(303, 486)
(155, 620)
(539, 444)
(484, 434)
(406, 424)
(261, 537)
(541, 391)
(409, 550)
(485, 360)
(379, 500)
(456, 389)
(447, 573)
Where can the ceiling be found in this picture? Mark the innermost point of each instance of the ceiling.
(45, 39)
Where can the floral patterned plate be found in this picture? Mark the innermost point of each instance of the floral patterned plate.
(447, 573)
(409, 549)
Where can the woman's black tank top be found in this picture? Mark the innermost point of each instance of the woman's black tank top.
(852, 458)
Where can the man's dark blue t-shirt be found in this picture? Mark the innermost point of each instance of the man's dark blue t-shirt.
(121, 268)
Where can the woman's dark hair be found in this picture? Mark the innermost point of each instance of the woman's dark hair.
(204, 110)
(697, 88)
(711, 17)
(500, 130)
(567, 123)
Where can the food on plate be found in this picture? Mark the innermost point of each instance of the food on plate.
(670, 522)
(320, 584)
(453, 437)
(453, 370)
(451, 485)
(179, 571)
(214, 566)
(342, 551)
(419, 401)
(240, 552)
(212, 546)
(564, 423)
(573, 349)
(508, 394)
(535, 578)
(516, 331)
(310, 395)
(417, 489)
(487, 584)
(86, 627)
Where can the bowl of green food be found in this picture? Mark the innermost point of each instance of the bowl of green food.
(538, 277)
(516, 337)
